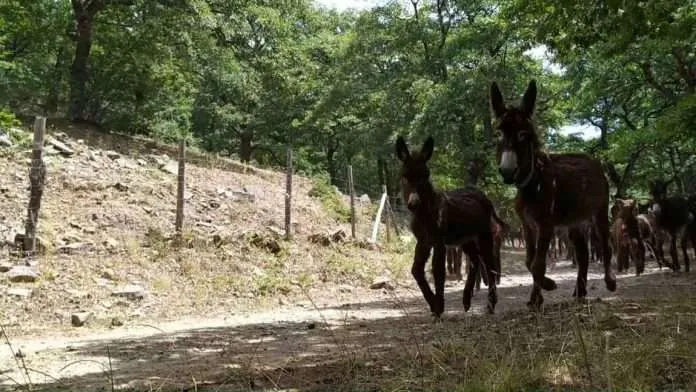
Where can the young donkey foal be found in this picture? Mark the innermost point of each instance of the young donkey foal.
(627, 236)
(460, 217)
(552, 190)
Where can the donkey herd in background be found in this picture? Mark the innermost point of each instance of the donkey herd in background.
(562, 203)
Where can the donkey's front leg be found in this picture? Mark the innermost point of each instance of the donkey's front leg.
(535, 298)
(539, 264)
(685, 248)
(418, 271)
(438, 306)
(673, 252)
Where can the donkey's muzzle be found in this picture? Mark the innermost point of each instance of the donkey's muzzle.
(508, 175)
(413, 201)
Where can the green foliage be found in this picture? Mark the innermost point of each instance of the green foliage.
(248, 79)
(8, 119)
(330, 198)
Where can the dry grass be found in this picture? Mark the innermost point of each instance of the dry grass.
(618, 346)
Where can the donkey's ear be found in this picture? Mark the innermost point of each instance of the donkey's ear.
(401, 149)
(497, 102)
(529, 98)
(427, 149)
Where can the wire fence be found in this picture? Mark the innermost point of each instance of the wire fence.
(207, 192)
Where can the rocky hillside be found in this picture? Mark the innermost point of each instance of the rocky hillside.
(106, 225)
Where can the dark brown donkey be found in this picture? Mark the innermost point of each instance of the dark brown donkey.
(552, 190)
(460, 217)
(675, 215)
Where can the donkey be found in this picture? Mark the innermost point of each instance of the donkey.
(552, 190)
(627, 236)
(674, 215)
(650, 235)
(439, 219)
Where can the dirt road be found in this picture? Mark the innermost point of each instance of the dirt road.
(296, 345)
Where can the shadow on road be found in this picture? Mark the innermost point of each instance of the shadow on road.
(349, 348)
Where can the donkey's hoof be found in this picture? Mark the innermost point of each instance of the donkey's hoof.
(548, 284)
(490, 308)
(534, 306)
(466, 301)
(436, 318)
(582, 293)
(610, 281)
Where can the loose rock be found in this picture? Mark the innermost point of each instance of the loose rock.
(171, 168)
(80, 318)
(113, 155)
(19, 292)
(61, 147)
(382, 283)
(130, 291)
(21, 273)
(109, 274)
(5, 266)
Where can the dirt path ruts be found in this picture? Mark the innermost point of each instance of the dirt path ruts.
(225, 350)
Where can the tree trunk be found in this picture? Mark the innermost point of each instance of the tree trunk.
(245, 148)
(84, 12)
(676, 175)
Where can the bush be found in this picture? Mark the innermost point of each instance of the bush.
(330, 199)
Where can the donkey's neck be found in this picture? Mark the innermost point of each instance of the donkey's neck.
(430, 199)
(533, 185)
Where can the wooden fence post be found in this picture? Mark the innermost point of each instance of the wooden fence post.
(288, 196)
(387, 217)
(181, 188)
(351, 189)
(37, 178)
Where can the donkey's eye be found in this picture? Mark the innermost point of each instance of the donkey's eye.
(522, 136)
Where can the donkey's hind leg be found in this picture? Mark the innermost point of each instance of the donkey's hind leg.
(487, 256)
(685, 248)
(602, 225)
(472, 272)
(581, 250)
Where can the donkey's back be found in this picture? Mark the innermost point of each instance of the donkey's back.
(464, 214)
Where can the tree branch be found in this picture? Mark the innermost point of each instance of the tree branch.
(683, 70)
(650, 79)
(624, 117)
